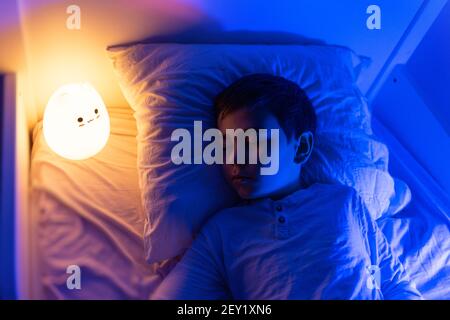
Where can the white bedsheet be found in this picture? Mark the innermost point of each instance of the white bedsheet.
(89, 214)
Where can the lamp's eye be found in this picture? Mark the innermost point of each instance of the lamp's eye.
(96, 111)
(80, 119)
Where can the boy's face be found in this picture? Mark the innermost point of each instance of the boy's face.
(246, 178)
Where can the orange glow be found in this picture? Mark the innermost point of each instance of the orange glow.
(57, 55)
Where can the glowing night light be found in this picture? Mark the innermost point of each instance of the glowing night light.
(76, 122)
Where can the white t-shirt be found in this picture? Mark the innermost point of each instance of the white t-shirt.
(316, 243)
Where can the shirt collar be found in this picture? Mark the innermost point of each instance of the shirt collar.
(292, 198)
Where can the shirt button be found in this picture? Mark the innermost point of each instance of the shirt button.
(279, 207)
(281, 219)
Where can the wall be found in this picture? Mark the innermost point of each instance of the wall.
(57, 55)
(12, 53)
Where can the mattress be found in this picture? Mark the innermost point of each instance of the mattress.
(89, 214)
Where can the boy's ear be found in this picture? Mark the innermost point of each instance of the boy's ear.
(305, 144)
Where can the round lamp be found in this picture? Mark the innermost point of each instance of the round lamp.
(76, 122)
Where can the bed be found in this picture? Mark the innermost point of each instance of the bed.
(90, 215)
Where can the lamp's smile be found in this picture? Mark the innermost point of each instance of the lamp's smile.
(89, 121)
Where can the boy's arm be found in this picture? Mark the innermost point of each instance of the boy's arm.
(197, 275)
(387, 270)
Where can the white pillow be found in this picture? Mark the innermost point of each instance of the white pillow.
(171, 85)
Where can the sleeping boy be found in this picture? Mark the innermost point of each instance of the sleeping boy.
(284, 240)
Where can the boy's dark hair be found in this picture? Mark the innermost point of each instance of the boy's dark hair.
(282, 97)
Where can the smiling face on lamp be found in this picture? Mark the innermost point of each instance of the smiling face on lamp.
(76, 122)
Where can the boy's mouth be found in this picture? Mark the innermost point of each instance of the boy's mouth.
(240, 179)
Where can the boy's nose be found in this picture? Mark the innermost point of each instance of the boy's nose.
(234, 169)
(230, 155)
